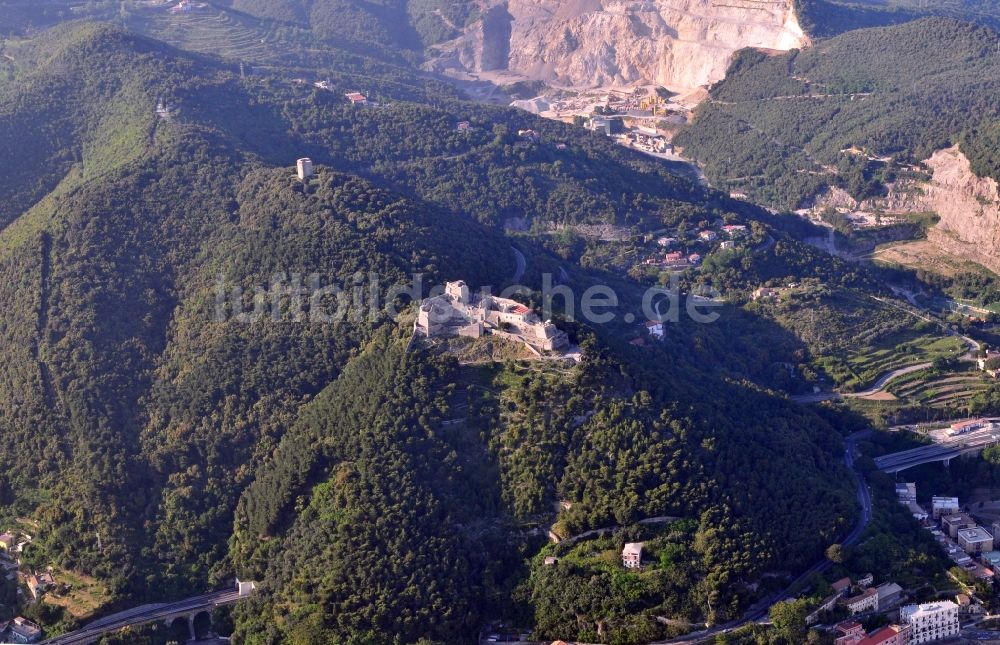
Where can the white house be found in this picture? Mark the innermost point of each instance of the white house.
(931, 621)
(632, 555)
(943, 506)
(864, 602)
(655, 329)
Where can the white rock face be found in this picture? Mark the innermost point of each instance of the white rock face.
(599, 43)
(969, 208)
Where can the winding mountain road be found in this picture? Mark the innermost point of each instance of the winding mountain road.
(877, 387)
(884, 380)
(974, 347)
(520, 265)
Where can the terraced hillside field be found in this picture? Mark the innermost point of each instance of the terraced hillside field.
(221, 33)
(946, 390)
(862, 366)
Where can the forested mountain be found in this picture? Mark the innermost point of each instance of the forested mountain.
(119, 267)
(825, 18)
(783, 127)
(397, 504)
(393, 24)
(382, 22)
(315, 455)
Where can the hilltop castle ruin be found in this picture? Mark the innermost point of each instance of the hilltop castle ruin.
(458, 312)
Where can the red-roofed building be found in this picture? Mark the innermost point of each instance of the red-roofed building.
(849, 632)
(962, 427)
(842, 586)
(357, 98)
(674, 260)
(891, 635)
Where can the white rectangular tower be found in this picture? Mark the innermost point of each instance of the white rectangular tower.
(305, 168)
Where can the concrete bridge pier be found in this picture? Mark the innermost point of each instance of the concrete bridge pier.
(189, 619)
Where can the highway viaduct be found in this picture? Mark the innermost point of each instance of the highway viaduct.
(167, 612)
(937, 452)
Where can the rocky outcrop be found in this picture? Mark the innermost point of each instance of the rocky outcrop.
(969, 208)
(486, 45)
(597, 43)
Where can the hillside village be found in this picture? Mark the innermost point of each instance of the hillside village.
(29, 585)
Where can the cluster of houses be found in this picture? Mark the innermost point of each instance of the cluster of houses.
(459, 312)
(851, 632)
(924, 623)
(681, 260)
(859, 597)
(966, 543)
(21, 630)
(675, 261)
(916, 623)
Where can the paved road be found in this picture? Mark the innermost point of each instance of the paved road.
(943, 449)
(520, 264)
(759, 611)
(899, 461)
(877, 387)
(662, 519)
(765, 246)
(884, 380)
(144, 615)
